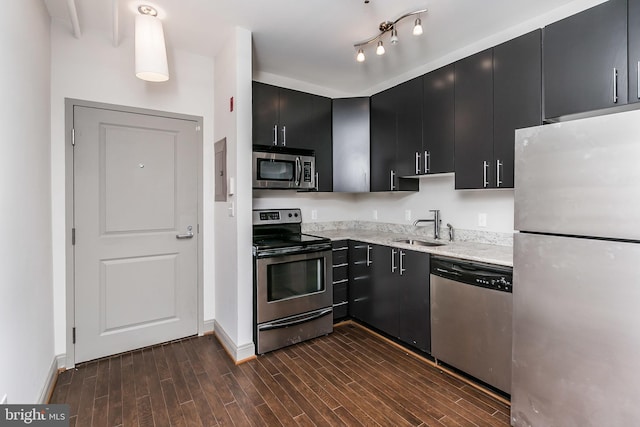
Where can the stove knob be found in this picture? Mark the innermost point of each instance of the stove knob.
(290, 215)
(296, 215)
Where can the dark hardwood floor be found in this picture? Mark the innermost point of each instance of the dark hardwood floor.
(350, 377)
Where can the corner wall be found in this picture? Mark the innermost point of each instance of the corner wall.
(26, 293)
(233, 262)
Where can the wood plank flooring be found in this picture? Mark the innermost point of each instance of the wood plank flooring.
(350, 378)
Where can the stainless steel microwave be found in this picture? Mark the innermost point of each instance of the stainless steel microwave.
(283, 167)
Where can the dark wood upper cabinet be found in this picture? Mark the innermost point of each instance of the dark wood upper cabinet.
(409, 126)
(295, 119)
(517, 99)
(438, 121)
(396, 117)
(351, 130)
(474, 120)
(634, 50)
(585, 60)
(266, 113)
(497, 91)
(383, 141)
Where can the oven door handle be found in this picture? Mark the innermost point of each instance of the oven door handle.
(295, 321)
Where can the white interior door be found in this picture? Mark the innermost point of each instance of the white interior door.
(135, 220)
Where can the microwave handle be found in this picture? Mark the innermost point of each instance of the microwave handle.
(298, 171)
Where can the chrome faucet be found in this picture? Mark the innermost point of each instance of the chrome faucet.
(436, 222)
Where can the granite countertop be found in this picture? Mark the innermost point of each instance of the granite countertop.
(481, 252)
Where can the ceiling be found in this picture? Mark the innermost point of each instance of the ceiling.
(312, 40)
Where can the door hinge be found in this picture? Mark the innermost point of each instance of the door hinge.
(198, 128)
(73, 334)
(198, 227)
(73, 236)
(73, 137)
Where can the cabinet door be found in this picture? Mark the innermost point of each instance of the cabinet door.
(517, 99)
(385, 292)
(383, 141)
(634, 50)
(438, 124)
(319, 136)
(413, 300)
(360, 278)
(350, 144)
(265, 113)
(408, 102)
(296, 118)
(585, 60)
(474, 120)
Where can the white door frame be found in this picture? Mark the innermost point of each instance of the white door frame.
(69, 103)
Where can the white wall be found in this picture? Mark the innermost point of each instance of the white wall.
(91, 68)
(328, 206)
(233, 262)
(26, 309)
(460, 208)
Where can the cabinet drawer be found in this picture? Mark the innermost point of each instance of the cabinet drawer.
(339, 293)
(340, 253)
(340, 273)
(340, 310)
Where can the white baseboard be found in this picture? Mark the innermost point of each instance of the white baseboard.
(52, 375)
(238, 353)
(209, 326)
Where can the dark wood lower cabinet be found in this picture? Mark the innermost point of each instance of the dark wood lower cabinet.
(360, 280)
(389, 291)
(340, 279)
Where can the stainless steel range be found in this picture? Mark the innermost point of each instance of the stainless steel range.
(292, 279)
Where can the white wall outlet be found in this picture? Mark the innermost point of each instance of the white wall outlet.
(4, 400)
(314, 214)
(482, 220)
(375, 214)
(407, 215)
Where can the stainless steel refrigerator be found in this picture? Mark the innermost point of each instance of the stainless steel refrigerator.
(576, 293)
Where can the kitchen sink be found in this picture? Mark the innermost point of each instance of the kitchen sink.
(419, 242)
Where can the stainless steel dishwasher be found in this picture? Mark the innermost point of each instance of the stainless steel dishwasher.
(471, 310)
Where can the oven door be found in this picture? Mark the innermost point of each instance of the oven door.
(291, 284)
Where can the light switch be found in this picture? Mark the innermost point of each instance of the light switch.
(232, 186)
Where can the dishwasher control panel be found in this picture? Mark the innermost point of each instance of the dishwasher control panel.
(489, 276)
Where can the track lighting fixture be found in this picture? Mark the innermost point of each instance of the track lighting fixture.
(384, 28)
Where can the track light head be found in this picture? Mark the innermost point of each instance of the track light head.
(394, 36)
(417, 28)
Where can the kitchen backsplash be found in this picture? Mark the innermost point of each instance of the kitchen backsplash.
(461, 235)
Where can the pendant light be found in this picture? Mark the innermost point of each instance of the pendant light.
(150, 49)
